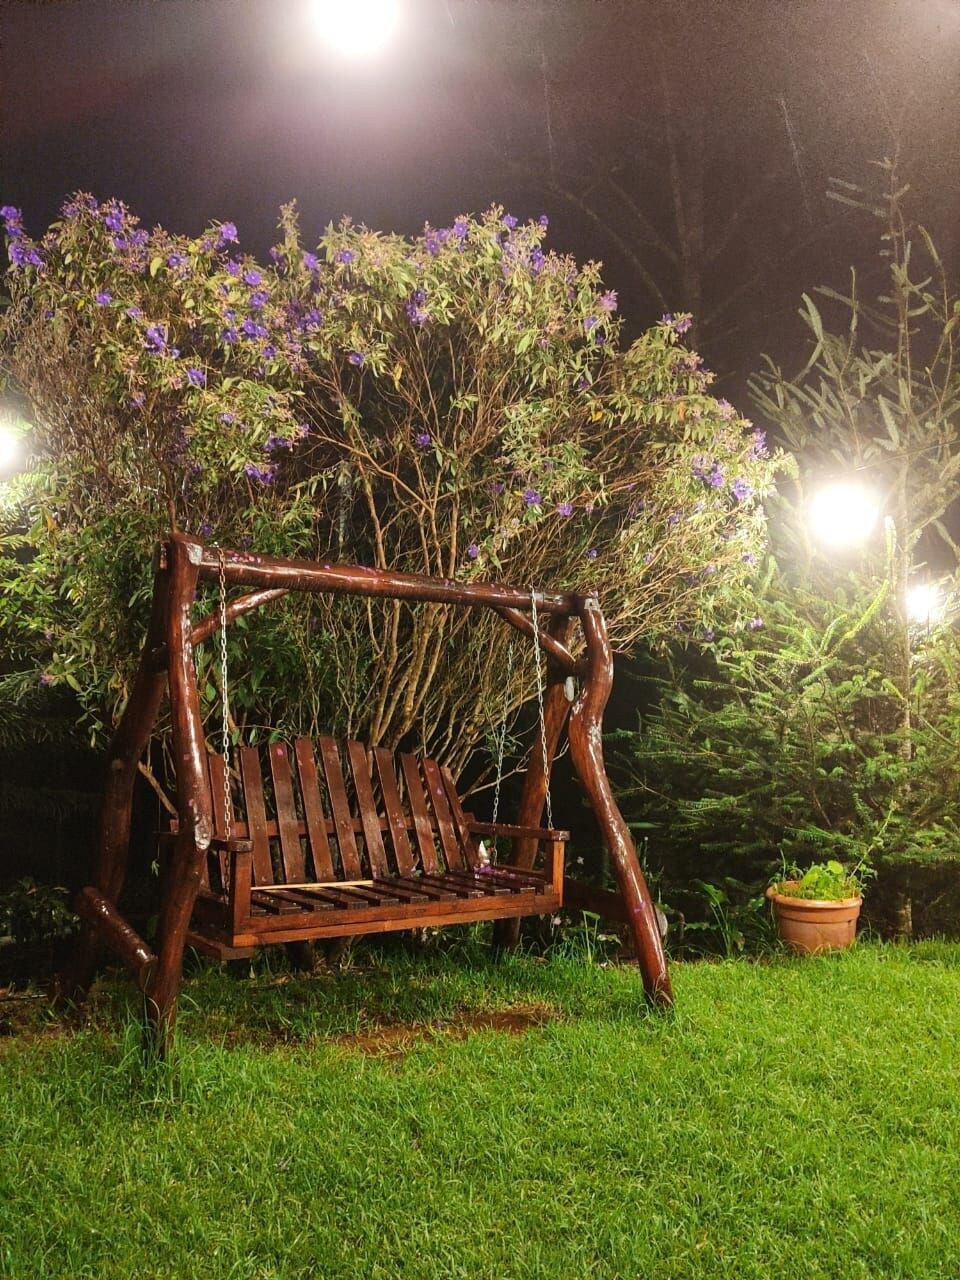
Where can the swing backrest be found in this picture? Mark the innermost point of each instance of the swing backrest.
(321, 811)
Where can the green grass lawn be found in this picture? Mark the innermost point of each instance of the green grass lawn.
(791, 1119)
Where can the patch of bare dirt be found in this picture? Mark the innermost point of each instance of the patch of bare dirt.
(397, 1039)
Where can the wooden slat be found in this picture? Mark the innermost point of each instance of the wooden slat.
(420, 813)
(390, 790)
(486, 884)
(367, 806)
(343, 825)
(434, 891)
(468, 841)
(291, 851)
(452, 852)
(266, 900)
(256, 814)
(316, 822)
(448, 883)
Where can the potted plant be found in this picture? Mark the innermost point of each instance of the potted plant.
(817, 909)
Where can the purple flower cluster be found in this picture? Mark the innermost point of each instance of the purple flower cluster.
(228, 233)
(253, 328)
(532, 498)
(755, 624)
(356, 358)
(473, 551)
(103, 298)
(311, 262)
(415, 309)
(196, 377)
(726, 409)
(608, 300)
(21, 253)
(741, 490)
(155, 339)
(346, 256)
(679, 324)
(758, 449)
(564, 509)
(252, 277)
(422, 439)
(264, 475)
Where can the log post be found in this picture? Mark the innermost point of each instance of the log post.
(556, 708)
(130, 740)
(586, 749)
(194, 804)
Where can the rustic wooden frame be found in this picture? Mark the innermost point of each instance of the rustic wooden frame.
(167, 662)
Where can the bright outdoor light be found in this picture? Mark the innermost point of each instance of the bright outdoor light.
(9, 447)
(925, 604)
(843, 514)
(356, 28)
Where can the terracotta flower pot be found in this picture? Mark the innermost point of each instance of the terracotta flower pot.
(808, 925)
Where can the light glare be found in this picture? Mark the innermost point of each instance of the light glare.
(9, 447)
(925, 604)
(843, 514)
(356, 28)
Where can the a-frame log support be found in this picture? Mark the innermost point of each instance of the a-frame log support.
(168, 661)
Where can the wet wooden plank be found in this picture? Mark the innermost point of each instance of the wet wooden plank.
(288, 824)
(342, 818)
(393, 807)
(315, 819)
(367, 807)
(256, 814)
(422, 825)
(468, 841)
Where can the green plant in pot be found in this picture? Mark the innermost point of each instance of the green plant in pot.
(817, 909)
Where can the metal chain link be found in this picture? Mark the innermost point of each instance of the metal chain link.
(224, 694)
(543, 719)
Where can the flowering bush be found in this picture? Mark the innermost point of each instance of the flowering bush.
(457, 404)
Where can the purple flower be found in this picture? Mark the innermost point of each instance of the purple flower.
(138, 400)
(197, 377)
(758, 449)
(135, 313)
(175, 260)
(422, 439)
(113, 220)
(269, 351)
(228, 233)
(311, 262)
(741, 489)
(155, 338)
(11, 215)
(748, 558)
(590, 323)
(537, 260)
(592, 553)
(460, 227)
(473, 551)
(674, 519)
(608, 300)
(265, 475)
(715, 478)
(228, 417)
(509, 221)
(233, 267)
(531, 498)
(708, 635)
(543, 220)
(755, 624)
(103, 298)
(253, 329)
(433, 244)
(497, 487)
(648, 558)
(21, 257)
(252, 277)
(564, 508)
(345, 255)
(229, 336)
(356, 357)
(679, 324)
(259, 299)
(418, 315)
(726, 409)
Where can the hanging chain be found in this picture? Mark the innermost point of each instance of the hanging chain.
(503, 731)
(543, 719)
(224, 695)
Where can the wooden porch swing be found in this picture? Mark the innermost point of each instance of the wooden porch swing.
(293, 845)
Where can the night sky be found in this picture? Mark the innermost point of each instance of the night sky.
(197, 109)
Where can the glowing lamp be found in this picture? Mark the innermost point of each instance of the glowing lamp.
(843, 514)
(356, 28)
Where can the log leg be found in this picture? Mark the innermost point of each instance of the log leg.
(586, 750)
(163, 986)
(506, 933)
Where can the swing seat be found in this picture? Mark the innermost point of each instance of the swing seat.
(319, 850)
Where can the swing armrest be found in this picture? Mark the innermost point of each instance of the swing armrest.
(519, 833)
(234, 845)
